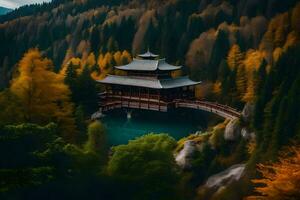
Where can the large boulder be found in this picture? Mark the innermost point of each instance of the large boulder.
(247, 112)
(217, 183)
(226, 177)
(185, 156)
(232, 130)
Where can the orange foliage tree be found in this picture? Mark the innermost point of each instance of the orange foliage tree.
(281, 180)
(42, 92)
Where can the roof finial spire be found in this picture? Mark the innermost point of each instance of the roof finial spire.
(148, 54)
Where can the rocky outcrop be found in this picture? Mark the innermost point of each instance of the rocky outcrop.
(221, 181)
(232, 130)
(184, 157)
(226, 177)
(247, 112)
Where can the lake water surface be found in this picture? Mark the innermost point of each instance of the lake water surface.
(178, 124)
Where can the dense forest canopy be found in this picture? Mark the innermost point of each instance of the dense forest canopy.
(245, 51)
(78, 28)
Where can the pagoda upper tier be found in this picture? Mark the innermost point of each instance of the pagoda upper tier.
(148, 55)
(148, 65)
(148, 62)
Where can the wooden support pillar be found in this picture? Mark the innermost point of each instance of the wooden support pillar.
(148, 97)
(158, 100)
(128, 100)
(139, 97)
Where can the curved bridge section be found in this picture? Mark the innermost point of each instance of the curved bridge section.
(216, 108)
(113, 101)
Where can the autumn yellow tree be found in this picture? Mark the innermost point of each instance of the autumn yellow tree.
(118, 58)
(106, 62)
(126, 57)
(43, 95)
(280, 180)
(252, 62)
(91, 60)
(76, 62)
(235, 57)
(241, 81)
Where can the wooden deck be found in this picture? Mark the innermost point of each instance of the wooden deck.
(155, 104)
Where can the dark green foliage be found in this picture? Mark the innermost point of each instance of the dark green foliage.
(96, 142)
(229, 89)
(11, 108)
(38, 158)
(71, 79)
(4, 74)
(83, 88)
(277, 110)
(95, 40)
(125, 33)
(147, 166)
(24, 141)
(112, 45)
(151, 37)
(80, 120)
(219, 52)
(86, 92)
(201, 163)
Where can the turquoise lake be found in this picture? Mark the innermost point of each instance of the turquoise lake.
(178, 124)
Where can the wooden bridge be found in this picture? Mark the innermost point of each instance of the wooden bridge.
(156, 104)
(212, 107)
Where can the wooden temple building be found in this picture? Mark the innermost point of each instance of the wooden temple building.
(148, 84)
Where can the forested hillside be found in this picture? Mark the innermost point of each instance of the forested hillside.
(245, 51)
(3, 10)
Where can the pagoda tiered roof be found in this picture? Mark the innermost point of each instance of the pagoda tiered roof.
(148, 65)
(147, 62)
(149, 82)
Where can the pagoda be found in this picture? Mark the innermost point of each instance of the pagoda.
(148, 84)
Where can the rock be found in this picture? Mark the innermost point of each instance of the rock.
(184, 157)
(97, 115)
(245, 133)
(217, 183)
(226, 177)
(247, 112)
(232, 130)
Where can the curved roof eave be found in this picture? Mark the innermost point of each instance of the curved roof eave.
(148, 65)
(149, 82)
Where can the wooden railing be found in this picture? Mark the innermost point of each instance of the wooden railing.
(219, 109)
(152, 102)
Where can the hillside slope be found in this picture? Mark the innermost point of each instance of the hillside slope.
(4, 11)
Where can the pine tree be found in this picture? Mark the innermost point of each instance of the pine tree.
(241, 81)
(112, 45)
(4, 79)
(70, 80)
(219, 52)
(95, 40)
(87, 93)
(80, 119)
